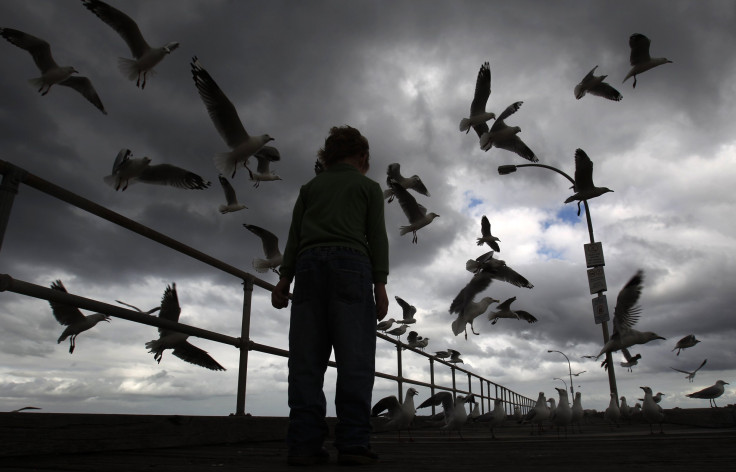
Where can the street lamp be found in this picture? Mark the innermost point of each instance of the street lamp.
(598, 302)
(569, 370)
(563, 381)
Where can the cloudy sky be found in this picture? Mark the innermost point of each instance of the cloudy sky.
(404, 74)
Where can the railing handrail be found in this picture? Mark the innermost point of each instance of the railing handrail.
(8, 283)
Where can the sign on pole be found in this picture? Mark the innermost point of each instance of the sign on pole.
(597, 280)
(600, 309)
(594, 255)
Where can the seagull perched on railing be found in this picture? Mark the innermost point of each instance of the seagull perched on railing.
(584, 187)
(398, 331)
(455, 414)
(478, 114)
(126, 171)
(409, 183)
(691, 375)
(710, 393)
(625, 316)
(270, 248)
(167, 339)
(400, 415)
(226, 120)
(495, 417)
(594, 85)
(686, 342)
(455, 357)
(72, 318)
(486, 236)
(639, 57)
(146, 57)
(51, 72)
(408, 311)
(385, 324)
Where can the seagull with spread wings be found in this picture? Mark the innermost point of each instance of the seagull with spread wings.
(126, 170)
(478, 114)
(505, 311)
(416, 213)
(168, 339)
(72, 318)
(691, 375)
(639, 58)
(455, 414)
(400, 415)
(393, 175)
(408, 311)
(146, 57)
(226, 120)
(595, 85)
(469, 313)
(486, 236)
(625, 316)
(506, 137)
(230, 197)
(686, 342)
(584, 187)
(270, 249)
(51, 72)
(265, 156)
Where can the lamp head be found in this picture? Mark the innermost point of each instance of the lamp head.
(506, 169)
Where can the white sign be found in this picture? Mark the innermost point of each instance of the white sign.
(597, 280)
(594, 254)
(600, 309)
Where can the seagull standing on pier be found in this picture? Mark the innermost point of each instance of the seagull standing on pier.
(72, 318)
(710, 393)
(652, 412)
(539, 414)
(613, 412)
(400, 415)
(496, 417)
(455, 414)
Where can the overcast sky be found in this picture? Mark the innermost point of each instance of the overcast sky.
(403, 73)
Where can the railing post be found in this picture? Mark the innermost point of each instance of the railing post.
(482, 406)
(454, 385)
(8, 191)
(399, 373)
(244, 347)
(431, 381)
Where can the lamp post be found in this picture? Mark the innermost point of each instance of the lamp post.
(569, 369)
(511, 168)
(562, 380)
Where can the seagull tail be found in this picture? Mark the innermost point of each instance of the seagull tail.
(457, 326)
(471, 265)
(37, 82)
(485, 141)
(129, 68)
(464, 124)
(405, 229)
(224, 163)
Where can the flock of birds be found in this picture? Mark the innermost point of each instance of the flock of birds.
(242, 146)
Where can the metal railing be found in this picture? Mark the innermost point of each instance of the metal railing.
(13, 176)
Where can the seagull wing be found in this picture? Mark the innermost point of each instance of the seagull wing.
(626, 313)
(122, 157)
(517, 146)
(228, 189)
(701, 365)
(220, 108)
(485, 227)
(418, 186)
(409, 205)
(407, 309)
(439, 398)
(39, 49)
(526, 316)
(122, 24)
(167, 174)
(707, 392)
(268, 239)
(605, 90)
(583, 171)
(194, 355)
(480, 99)
(506, 274)
(65, 314)
(390, 404)
(510, 110)
(477, 284)
(639, 45)
(170, 309)
(393, 173)
(265, 156)
(683, 371)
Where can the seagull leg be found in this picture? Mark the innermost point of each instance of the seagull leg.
(578, 207)
(143, 85)
(415, 238)
(634, 82)
(72, 343)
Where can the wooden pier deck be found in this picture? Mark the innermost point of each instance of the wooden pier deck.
(702, 438)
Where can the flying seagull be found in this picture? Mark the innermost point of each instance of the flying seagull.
(400, 415)
(486, 236)
(506, 137)
(639, 58)
(408, 311)
(270, 249)
(146, 57)
(691, 375)
(505, 311)
(631, 361)
(416, 213)
(230, 197)
(455, 357)
(469, 313)
(72, 318)
(594, 85)
(710, 393)
(584, 187)
(625, 316)
(265, 156)
(393, 174)
(126, 170)
(167, 339)
(686, 342)
(226, 120)
(51, 72)
(478, 113)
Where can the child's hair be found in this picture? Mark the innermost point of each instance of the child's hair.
(343, 141)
